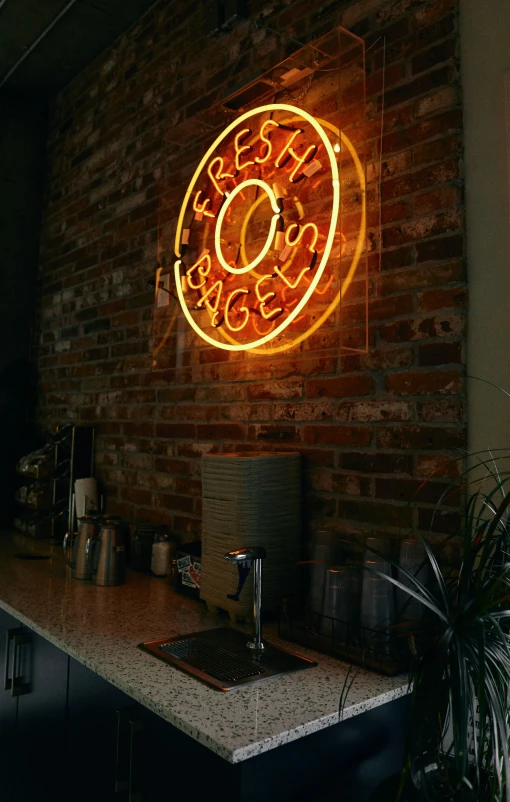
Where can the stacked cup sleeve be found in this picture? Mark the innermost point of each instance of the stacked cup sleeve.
(251, 499)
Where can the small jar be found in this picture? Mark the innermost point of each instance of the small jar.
(141, 548)
(173, 574)
(163, 549)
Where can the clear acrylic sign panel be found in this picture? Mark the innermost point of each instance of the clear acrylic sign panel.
(262, 249)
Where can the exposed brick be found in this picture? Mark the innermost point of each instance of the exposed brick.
(349, 485)
(277, 433)
(317, 457)
(439, 353)
(444, 248)
(423, 383)
(377, 463)
(337, 435)
(451, 410)
(158, 397)
(418, 278)
(400, 210)
(436, 150)
(428, 492)
(423, 227)
(420, 437)
(423, 130)
(172, 501)
(436, 199)
(219, 431)
(419, 86)
(339, 387)
(424, 178)
(276, 390)
(448, 298)
(421, 328)
(324, 409)
(438, 465)
(432, 11)
(136, 496)
(375, 512)
(442, 521)
(175, 430)
(387, 308)
(366, 411)
(397, 258)
(433, 56)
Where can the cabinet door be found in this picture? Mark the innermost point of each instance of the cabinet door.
(42, 671)
(8, 707)
(99, 738)
(166, 763)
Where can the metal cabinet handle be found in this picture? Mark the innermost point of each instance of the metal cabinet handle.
(13, 683)
(18, 687)
(124, 760)
(136, 725)
(121, 783)
(124, 756)
(8, 637)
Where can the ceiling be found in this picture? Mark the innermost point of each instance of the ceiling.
(44, 44)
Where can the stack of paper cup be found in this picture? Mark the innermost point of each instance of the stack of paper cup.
(320, 558)
(414, 560)
(337, 603)
(377, 598)
(250, 499)
(85, 496)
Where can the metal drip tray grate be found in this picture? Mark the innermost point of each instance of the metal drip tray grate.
(212, 659)
(220, 658)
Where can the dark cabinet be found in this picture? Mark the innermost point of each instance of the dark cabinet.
(41, 724)
(167, 763)
(32, 714)
(8, 705)
(119, 751)
(99, 738)
(68, 734)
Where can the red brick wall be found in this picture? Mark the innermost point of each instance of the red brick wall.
(370, 427)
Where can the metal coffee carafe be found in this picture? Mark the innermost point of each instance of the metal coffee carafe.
(105, 554)
(88, 527)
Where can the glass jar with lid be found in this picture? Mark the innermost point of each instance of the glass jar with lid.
(163, 551)
(141, 547)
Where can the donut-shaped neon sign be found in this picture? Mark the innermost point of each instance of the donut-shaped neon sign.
(257, 228)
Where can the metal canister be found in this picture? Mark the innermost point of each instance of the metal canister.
(88, 527)
(106, 554)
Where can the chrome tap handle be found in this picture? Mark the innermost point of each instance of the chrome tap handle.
(244, 558)
(247, 554)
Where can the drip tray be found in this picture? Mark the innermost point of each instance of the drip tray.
(220, 658)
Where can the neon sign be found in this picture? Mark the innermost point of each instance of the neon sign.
(257, 235)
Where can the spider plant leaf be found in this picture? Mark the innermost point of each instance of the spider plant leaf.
(499, 729)
(500, 511)
(438, 575)
(346, 687)
(420, 586)
(415, 594)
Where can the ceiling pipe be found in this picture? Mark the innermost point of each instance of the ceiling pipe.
(37, 41)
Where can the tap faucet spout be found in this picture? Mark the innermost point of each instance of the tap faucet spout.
(244, 558)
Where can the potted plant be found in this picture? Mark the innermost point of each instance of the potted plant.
(457, 744)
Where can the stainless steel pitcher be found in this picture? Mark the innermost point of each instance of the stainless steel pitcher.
(105, 554)
(76, 542)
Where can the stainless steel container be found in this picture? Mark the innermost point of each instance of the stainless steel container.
(106, 555)
(88, 527)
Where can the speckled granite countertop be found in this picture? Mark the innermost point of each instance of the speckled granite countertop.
(101, 627)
